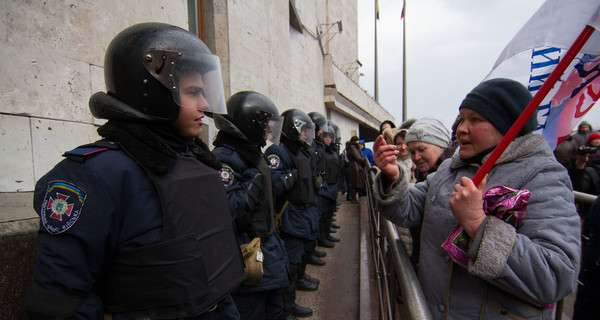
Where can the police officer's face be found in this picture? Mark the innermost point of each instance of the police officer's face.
(191, 94)
(327, 140)
(304, 134)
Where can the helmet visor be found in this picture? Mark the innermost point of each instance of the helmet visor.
(198, 82)
(307, 134)
(273, 130)
(194, 78)
(323, 129)
(329, 134)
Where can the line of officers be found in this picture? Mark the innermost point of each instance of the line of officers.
(147, 222)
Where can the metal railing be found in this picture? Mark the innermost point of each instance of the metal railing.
(396, 278)
(397, 281)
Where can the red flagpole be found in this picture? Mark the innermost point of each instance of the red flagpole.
(534, 103)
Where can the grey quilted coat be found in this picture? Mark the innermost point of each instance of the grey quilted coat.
(512, 273)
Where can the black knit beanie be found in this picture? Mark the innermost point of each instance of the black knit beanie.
(501, 101)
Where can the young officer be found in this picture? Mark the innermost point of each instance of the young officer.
(136, 226)
(251, 120)
(294, 189)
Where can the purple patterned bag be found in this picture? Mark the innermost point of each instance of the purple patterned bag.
(503, 203)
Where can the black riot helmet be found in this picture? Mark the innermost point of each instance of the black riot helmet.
(297, 125)
(156, 68)
(336, 130)
(256, 116)
(319, 120)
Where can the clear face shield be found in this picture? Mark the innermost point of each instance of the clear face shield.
(194, 78)
(305, 130)
(273, 129)
(329, 136)
(323, 129)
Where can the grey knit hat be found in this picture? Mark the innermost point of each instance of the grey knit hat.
(429, 130)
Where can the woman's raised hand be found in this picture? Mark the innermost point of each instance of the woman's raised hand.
(385, 158)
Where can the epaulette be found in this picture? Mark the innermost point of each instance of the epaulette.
(80, 153)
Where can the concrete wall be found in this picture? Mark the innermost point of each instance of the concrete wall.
(56, 52)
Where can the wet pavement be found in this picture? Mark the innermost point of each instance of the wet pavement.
(339, 290)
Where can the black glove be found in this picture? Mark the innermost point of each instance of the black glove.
(290, 179)
(254, 190)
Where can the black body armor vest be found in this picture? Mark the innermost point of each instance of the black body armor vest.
(196, 262)
(333, 168)
(303, 191)
(262, 223)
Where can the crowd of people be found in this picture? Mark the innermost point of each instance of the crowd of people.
(149, 223)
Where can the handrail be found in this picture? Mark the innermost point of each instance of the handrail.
(584, 197)
(387, 243)
(409, 283)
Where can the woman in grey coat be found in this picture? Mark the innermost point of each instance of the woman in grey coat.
(514, 272)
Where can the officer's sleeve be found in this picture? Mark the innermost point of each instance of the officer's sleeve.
(236, 184)
(279, 172)
(77, 237)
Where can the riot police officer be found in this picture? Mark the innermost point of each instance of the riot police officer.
(135, 225)
(325, 238)
(336, 147)
(251, 120)
(294, 189)
(333, 169)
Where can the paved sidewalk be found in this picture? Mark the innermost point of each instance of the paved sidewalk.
(338, 293)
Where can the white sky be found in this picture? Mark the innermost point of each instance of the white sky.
(451, 46)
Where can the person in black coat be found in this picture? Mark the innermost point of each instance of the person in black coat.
(588, 293)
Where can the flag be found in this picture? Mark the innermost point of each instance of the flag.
(376, 9)
(537, 49)
(403, 7)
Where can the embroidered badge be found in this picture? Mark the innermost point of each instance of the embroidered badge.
(274, 161)
(226, 175)
(62, 206)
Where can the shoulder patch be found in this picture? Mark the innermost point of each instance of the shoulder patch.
(227, 176)
(62, 206)
(274, 161)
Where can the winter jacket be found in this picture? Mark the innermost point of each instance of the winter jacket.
(356, 164)
(511, 272)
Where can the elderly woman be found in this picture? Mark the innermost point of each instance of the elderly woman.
(427, 140)
(512, 272)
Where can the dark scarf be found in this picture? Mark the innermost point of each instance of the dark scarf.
(245, 148)
(155, 145)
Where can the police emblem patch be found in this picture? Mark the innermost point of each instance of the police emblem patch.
(226, 174)
(274, 161)
(62, 206)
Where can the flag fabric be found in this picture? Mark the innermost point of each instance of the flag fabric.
(376, 9)
(403, 7)
(537, 49)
